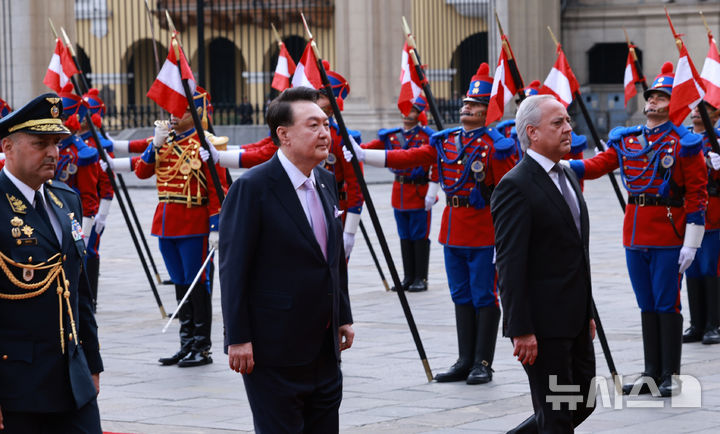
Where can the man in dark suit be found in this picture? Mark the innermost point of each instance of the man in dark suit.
(49, 354)
(283, 276)
(541, 234)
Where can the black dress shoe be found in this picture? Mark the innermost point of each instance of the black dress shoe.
(457, 372)
(711, 336)
(692, 334)
(670, 386)
(195, 358)
(644, 380)
(167, 361)
(480, 374)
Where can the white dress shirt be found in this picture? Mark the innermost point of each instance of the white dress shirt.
(297, 178)
(547, 165)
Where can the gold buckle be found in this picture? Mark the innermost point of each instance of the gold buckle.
(401, 179)
(641, 200)
(455, 201)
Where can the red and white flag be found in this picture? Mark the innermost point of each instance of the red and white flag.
(167, 90)
(503, 88)
(561, 81)
(688, 89)
(284, 70)
(631, 76)
(60, 69)
(410, 84)
(307, 73)
(711, 74)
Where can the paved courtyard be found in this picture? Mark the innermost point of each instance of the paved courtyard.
(385, 388)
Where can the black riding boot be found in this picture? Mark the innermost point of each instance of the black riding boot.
(185, 317)
(651, 350)
(712, 333)
(671, 349)
(199, 353)
(465, 324)
(696, 303)
(93, 272)
(487, 319)
(408, 258)
(422, 256)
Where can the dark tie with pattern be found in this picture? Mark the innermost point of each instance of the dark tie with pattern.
(40, 208)
(567, 195)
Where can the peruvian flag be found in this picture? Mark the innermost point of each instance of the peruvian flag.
(167, 90)
(410, 84)
(711, 74)
(631, 76)
(503, 88)
(60, 69)
(688, 89)
(561, 81)
(284, 69)
(307, 73)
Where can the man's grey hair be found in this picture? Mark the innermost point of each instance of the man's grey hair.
(529, 113)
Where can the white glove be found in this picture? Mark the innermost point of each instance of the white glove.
(104, 165)
(102, 214)
(687, 255)
(348, 242)
(204, 154)
(213, 239)
(714, 160)
(359, 152)
(87, 224)
(119, 145)
(161, 133)
(431, 196)
(565, 163)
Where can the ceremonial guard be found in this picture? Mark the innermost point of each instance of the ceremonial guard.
(702, 275)
(411, 188)
(471, 160)
(103, 187)
(186, 223)
(350, 195)
(249, 155)
(663, 169)
(49, 353)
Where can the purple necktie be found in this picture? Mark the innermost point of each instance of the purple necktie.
(317, 217)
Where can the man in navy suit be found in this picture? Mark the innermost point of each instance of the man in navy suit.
(49, 353)
(283, 276)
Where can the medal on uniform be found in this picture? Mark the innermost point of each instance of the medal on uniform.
(28, 274)
(64, 175)
(477, 166)
(185, 168)
(667, 161)
(331, 159)
(16, 221)
(15, 232)
(71, 168)
(195, 164)
(77, 232)
(27, 230)
(480, 176)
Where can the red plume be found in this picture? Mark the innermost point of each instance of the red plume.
(326, 65)
(484, 69)
(97, 120)
(72, 123)
(667, 68)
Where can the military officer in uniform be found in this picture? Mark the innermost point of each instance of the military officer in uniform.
(702, 275)
(413, 195)
(471, 160)
(49, 353)
(186, 223)
(663, 169)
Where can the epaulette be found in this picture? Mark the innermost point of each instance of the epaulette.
(106, 144)
(385, 132)
(618, 133)
(58, 185)
(501, 143)
(86, 154)
(355, 135)
(219, 142)
(690, 143)
(505, 124)
(429, 131)
(578, 145)
(442, 135)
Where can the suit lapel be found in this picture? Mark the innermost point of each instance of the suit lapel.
(26, 211)
(288, 199)
(584, 219)
(551, 191)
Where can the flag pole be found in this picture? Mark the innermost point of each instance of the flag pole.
(196, 119)
(120, 179)
(370, 206)
(111, 177)
(596, 137)
(704, 115)
(410, 40)
(600, 330)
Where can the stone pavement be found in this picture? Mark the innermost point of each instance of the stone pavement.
(385, 388)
